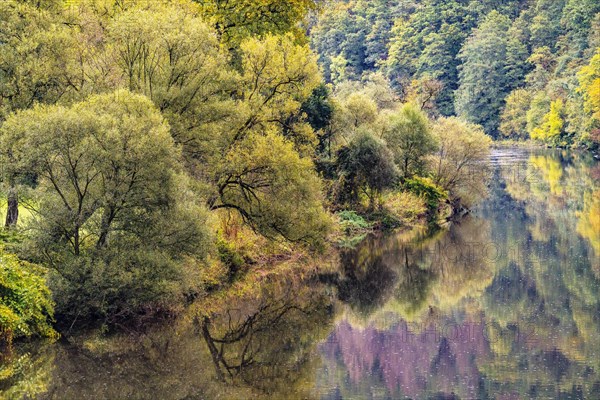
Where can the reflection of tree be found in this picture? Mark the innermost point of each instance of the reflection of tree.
(535, 287)
(264, 330)
(545, 287)
(414, 277)
(366, 277)
(589, 224)
(415, 283)
(245, 336)
(265, 342)
(24, 376)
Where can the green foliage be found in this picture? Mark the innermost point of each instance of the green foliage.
(513, 121)
(427, 189)
(34, 53)
(274, 189)
(26, 307)
(426, 42)
(576, 20)
(366, 167)
(240, 19)
(544, 62)
(483, 80)
(318, 110)
(589, 87)
(540, 105)
(460, 165)
(545, 24)
(114, 217)
(278, 75)
(229, 256)
(405, 207)
(352, 37)
(355, 228)
(181, 69)
(356, 111)
(551, 127)
(465, 57)
(409, 137)
(350, 220)
(215, 109)
(10, 236)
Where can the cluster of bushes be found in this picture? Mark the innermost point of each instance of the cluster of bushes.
(393, 164)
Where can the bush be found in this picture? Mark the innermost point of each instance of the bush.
(26, 307)
(365, 166)
(407, 207)
(123, 287)
(426, 189)
(351, 221)
(230, 256)
(354, 227)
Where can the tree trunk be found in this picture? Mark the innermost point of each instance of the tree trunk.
(12, 210)
(107, 218)
(212, 348)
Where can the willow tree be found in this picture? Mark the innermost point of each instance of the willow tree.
(460, 164)
(113, 215)
(168, 53)
(268, 171)
(34, 55)
(240, 19)
(408, 136)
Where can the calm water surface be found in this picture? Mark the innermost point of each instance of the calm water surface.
(504, 304)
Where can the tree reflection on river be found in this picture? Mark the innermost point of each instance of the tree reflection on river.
(504, 304)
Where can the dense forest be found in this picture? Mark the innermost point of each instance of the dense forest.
(521, 69)
(153, 152)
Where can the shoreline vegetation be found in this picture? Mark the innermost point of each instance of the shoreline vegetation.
(158, 157)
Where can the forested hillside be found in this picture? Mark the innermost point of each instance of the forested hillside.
(521, 69)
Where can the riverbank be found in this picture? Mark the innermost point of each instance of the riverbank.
(523, 144)
(533, 144)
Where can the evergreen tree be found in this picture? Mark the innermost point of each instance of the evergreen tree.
(483, 79)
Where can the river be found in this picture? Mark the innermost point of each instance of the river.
(503, 304)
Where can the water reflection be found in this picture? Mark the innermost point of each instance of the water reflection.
(266, 341)
(504, 304)
(262, 344)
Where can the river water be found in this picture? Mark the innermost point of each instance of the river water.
(503, 304)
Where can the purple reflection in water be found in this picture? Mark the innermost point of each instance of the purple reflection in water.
(411, 359)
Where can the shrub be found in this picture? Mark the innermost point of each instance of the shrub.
(123, 287)
(351, 221)
(407, 207)
(229, 256)
(365, 166)
(26, 307)
(426, 189)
